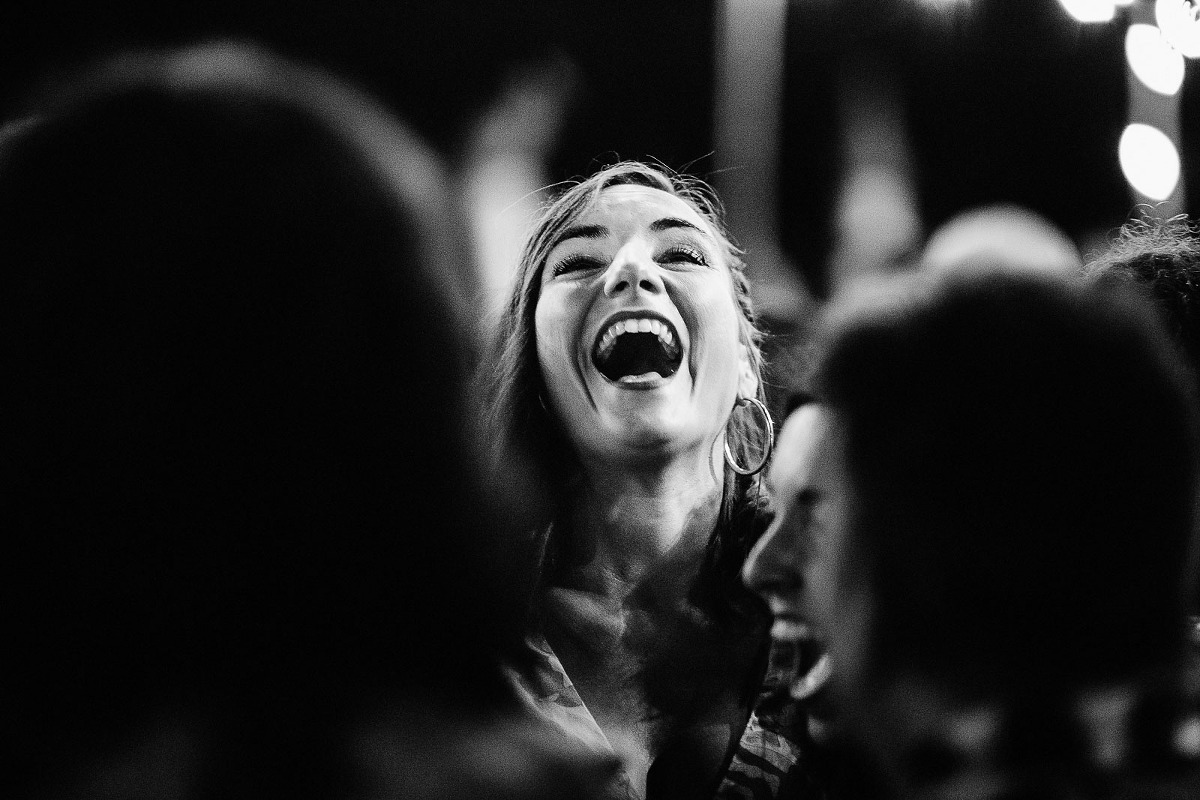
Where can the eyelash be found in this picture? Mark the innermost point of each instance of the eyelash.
(672, 255)
(575, 262)
(689, 254)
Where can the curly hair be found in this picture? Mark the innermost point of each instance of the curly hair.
(1163, 257)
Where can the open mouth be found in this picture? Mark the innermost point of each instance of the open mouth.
(807, 684)
(637, 347)
(810, 666)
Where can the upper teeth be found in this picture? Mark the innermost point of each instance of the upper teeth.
(636, 325)
(790, 630)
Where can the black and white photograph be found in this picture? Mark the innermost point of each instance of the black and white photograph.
(597, 400)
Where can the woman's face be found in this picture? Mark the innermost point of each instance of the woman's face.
(802, 568)
(637, 329)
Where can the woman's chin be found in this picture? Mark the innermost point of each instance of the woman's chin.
(645, 418)
(642, 435)
(645, 402)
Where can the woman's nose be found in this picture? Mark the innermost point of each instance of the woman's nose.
(773, 566)
(633, 269)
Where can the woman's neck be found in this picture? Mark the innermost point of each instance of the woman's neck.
(624, 520)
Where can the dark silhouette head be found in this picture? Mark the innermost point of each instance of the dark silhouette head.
(1016, 455)
(238, 485)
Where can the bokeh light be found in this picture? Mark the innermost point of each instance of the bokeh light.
(1149, 161)
(1152, 58)
(1180, 24)
(1090, 10)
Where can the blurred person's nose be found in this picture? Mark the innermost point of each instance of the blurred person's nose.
(774, 565)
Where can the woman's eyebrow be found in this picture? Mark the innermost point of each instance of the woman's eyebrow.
(581, 232)
(667, 223)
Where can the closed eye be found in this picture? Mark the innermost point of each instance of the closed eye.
(804, 506)
(680, 254)
(808, 525)
(575, 263)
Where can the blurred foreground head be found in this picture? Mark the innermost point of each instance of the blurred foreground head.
(1001, 233)
(238, 504)
(1010, 485)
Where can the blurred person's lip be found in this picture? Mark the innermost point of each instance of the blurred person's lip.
(790, 623)
(791, 628)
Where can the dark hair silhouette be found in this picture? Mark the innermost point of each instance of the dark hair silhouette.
(1021, 450)
(1045, 425)
(238, 487)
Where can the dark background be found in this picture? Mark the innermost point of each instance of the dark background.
(1006, 99)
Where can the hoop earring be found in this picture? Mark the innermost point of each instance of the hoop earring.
(770, 428)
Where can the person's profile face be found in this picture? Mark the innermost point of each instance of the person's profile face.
(637, 329)
(791, 566)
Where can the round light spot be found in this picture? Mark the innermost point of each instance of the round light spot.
(1149, 160)
(1187, 738)
(1089, 10)
(1180, 24)
(1152, 58)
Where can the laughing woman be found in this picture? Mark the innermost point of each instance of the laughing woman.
(629, 367)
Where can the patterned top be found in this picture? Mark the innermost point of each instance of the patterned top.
(549, 694)
(772, 759)
(765, 763)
